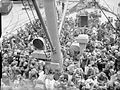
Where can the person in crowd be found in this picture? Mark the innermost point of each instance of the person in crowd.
(99, 67)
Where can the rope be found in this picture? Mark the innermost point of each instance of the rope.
(111, 9)
(31, 9)
(27, 12)
(29, 17)
(104, 14)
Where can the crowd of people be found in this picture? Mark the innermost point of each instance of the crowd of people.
(98, 69)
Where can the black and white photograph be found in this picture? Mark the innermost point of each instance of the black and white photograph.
(60, 44)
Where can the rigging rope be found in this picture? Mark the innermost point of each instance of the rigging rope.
(30, 19)
(28, 16)
(27, 12)
(104, 14)
(31, 9)
(111, 9)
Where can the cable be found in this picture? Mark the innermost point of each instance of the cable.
(111, 9)
(28, 16)
(26, 11)
(12, 29)
(107, 5)
(33, 15)
(10, 21)
(32, 12)
(104, 13)
(31, 9)
(16, 22)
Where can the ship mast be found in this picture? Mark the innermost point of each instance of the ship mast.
(52, 31)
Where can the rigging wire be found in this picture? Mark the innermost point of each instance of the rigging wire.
(18, 18)
(111, 9)
(104, 14)
(12, 29)
(35, 19)
(10, 21)
(107, 5)
(28, 15)
(31, 9)
(26, 11)
(30, 19)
